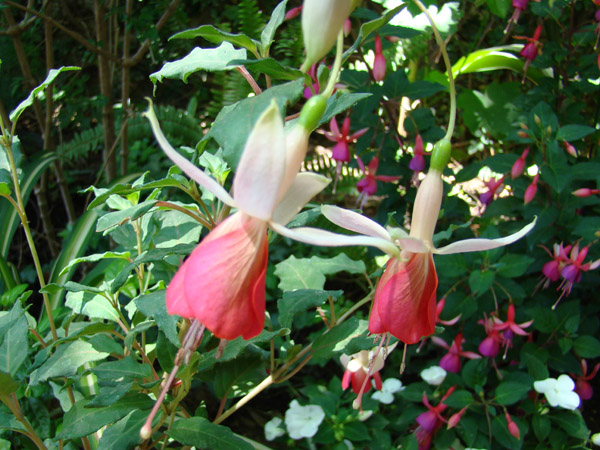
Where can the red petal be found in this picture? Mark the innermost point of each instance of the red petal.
(223, 281)
(404, 303)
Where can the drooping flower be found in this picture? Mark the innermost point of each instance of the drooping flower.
(386, 394)
(222, 282)
(367, 185)
(379, 62)
(519, 165)
(303, 421)
(573, 268)
(433, 375)
(405, 298)
(451, 361)
(417, 163)
(582, 386)
(493, 184)
(509, 328)
(531, 49)
(431, 420)
(519, 5)
(531, 189)
(551, 269)
(490, 346)
(559, 392)
(341, 150)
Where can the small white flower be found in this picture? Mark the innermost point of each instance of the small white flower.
(303, 421)
(559, 392)
(596, 439)
(273, 430)
(433, 375)
(389, 387)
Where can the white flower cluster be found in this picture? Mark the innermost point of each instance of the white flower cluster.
(559, 392)
(300, 421)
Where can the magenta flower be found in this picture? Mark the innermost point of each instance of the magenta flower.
(551, 269)
(367, 185)
(417, 163)
(519, 165)
(509, 328)
(431, 420)
(341, 150)
(379, 62)
(493, 184)
(222, 282)
(572, 270)
(531, 49)
(519, 5)
(451, 361)
(490, 346)
(531, 189)
(582, 386)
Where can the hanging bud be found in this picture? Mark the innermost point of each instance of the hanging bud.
(522, 134)
(531, 190)
(379, 63)
(322, 21)
(455, 418)
(570, 149)
(519, 165)
(347, 27)
(513, 428)
(293, 13)
(585, 192)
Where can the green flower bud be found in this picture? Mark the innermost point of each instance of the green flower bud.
(440, 155)
(312, 111)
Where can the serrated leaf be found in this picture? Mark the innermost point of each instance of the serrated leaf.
(237, 377)
(301, 300)
(210, 59)
(480, 282)
(81, 421)
(333, 341)
(66, 360)
(199, 432)
(153, 305)
(309, 273)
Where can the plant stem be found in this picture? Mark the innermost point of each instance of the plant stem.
(451, 86)
(337, 64)
(12, 403)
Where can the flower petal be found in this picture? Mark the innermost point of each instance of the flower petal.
(261, 168)
(412, 245)
(354, 221)
(305, 186)
(224, 278)
(404, 303)
(316, 236)
(195, 173)
(478, 244)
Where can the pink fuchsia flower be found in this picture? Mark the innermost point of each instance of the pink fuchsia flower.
(509, 327)
(519, 165)
(519, 5)
(341, 151)
(531, 49)
(222, 283)
(405, 297)
(379, 62)
(367, 185)
(417, 163)
(431, 420)
(551, 269)
(572, 270)
(451, 361)
(531, 190)
(314, 87)
(585, 192)
(493, 185)
(490, 346)
(582, 387)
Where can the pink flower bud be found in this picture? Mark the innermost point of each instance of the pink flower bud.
(519, 165)
(347, 27)
(379, 63)
(585, 192)
(455, 418)
(570, 149)
(293, 13)
(513, 428)
(531, 190)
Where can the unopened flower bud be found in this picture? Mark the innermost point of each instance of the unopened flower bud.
(455, 418)
(519, 165)
(146, 432)
(293, 13)
(570, 149)
(440, 155)
(322, 21)
(585, 192)
(548, 129)
(522, 134)
(537, 120)
(531, 190)
(347, 27)
(513, 428)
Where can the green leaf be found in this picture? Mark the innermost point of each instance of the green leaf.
(474, 372)
(268, 33)
(116, 218)
(334, 341)
(7, 384)
(217, 36)
(499, 7)
(244, 115)
(95, 258)
(153, 305)
(573, 132)
(81, 421)
(587, 347)
(459, 399)
(201, 433)
(13, 339)
(52, 74)
(541, 426)
(341, 102)
(422, 89)
(107, 395)
(488, 59)
(301, 300)
(211, 59)
(174, 228)
(125, 433)
(509, 392)
(123, 368)
(480, 282)
(571, 422)
(309, 273)
(66, 360)
(237, 377)
(95, 306)
(512, 265)
(270, 67)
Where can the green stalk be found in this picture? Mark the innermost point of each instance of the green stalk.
(451, 86)
(337, 65)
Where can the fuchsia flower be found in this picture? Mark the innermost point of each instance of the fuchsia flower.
(417, 163)
(493, 184)
(531, 189)
(367, 185)
(582, 387)
(451, 361)
(519, 5)
(585, 192)
(531, 49)
(341, 150)
(509, 328)
(572, 270)
(379, 62)
(358, 374)
(222, 283)
(405, 298)
(490, 346)
(519, 165)
(551, 269)
(314, 88)
(431, 420)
